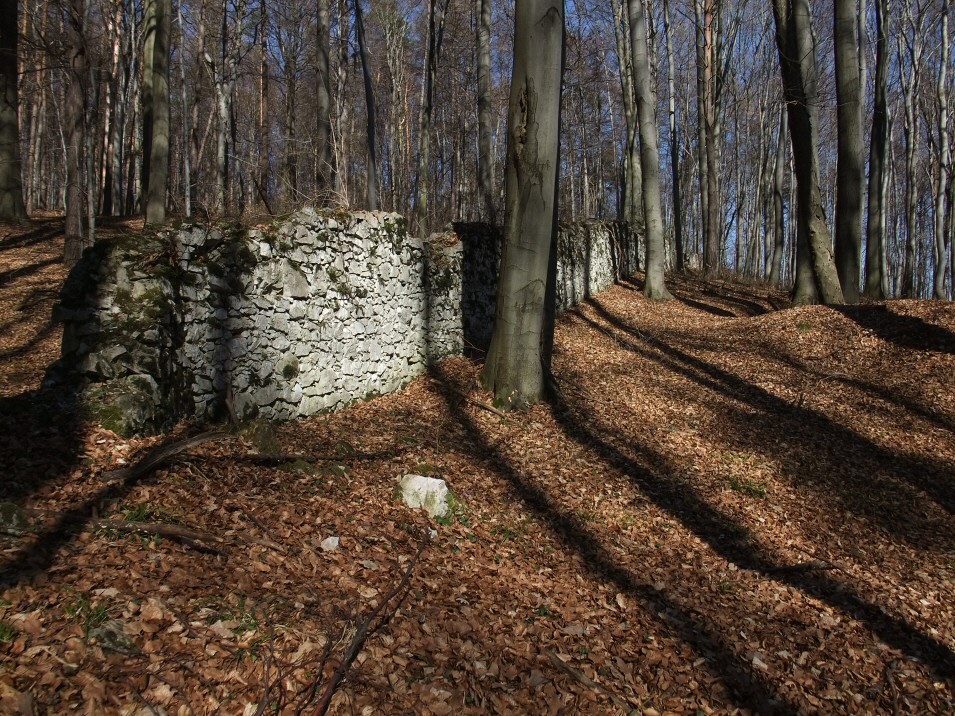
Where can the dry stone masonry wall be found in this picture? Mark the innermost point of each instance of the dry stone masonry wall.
(319, 311)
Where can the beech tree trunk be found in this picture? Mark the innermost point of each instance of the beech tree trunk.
(11, 180)
(797, 60)
(325, 181)
(517, 361)
(76, 141)
(674, 146)
(779, 228)
(942, 248)
(654, 286)
(485, 131)
(851, 170)
(372, 178)
(159, 148)
(875, 233)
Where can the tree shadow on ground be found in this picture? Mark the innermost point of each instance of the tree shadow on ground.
(725, 300)
(903, 331)
(817, 435)
(728, 538)
(749, 688)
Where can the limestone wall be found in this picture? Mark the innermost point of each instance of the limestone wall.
(315, 313)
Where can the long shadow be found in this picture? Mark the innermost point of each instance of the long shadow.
(903, 331)
(750, 688)
(45, 231)
(827, 437)
(699, 305)
(876, 391)
(13, 274)
(28, 563)
(724, 535)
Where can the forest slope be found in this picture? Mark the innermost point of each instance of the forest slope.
(728, 509)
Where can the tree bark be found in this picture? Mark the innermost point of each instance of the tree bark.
(485, 131)
(76, 142)
(325, 181)
(674, 146)
(711, 219)
(372, 178)
(797, 60)
(11, 179)
(850, 173)
(159, 147)
(942, 249)
(875, 233)
(654, 286)
(517, 361)
(779, 228)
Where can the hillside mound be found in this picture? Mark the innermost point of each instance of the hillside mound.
(729, 507)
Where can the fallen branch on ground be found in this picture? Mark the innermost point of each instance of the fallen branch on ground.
(191, 537)
(590, 683)
(368, 627)
(160, 455)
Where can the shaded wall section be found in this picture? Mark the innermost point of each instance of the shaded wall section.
(303, 317)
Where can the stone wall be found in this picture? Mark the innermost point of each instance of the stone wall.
(317, 312)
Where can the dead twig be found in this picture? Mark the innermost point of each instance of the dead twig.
(191, 537)
(570, 671)
(160, 455)
(369, 627)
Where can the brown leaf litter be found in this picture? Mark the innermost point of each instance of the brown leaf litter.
(727, 509)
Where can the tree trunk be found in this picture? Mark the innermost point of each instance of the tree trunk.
(779, 228)
(264, 129)
(485, 135)
(942, 248)
(797, 60)
(150, 25)
(372, 178)
(654, 286)
(159, 148)
(850, 173)
(325, 181)
(674, 146)
(910, 131)
(76, 143)
(711, 219)
(875, 234)
(517, 361)
(11, 180)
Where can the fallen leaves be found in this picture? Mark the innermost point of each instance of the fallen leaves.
(722, 515)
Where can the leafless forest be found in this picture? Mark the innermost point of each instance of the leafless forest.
(268, 110)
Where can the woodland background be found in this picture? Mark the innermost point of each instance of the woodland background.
(248, 136)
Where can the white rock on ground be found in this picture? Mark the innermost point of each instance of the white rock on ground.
(329, 544)
(427, 492)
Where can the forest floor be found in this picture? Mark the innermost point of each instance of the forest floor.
(729, 509)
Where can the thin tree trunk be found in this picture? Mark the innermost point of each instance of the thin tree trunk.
(325, 181)
(910, 130)
(186, 142)
(11, 178)
(264, 145)
(518, 358)
(654, 286)
(674, 146)
(76, 120)
(875, 234)
(712, 234)
(372, 178)
(779, 228)
(485, 136)
(944, 165)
